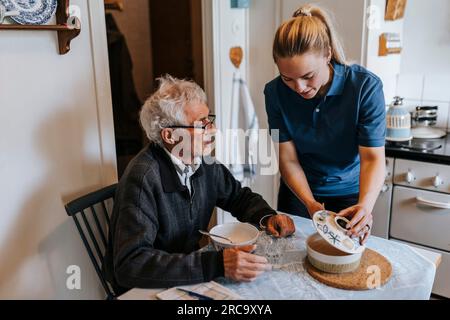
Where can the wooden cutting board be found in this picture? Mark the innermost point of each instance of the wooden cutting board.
(374, 271)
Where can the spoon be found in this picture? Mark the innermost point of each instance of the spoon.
(214, 235)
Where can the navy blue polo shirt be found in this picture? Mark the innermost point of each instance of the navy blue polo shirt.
(327, 131)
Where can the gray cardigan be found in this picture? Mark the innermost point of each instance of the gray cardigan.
(153, 240)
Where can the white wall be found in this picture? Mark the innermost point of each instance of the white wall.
(56, 142)
(348, 17)
(425, 66)
(386, 67)
(426, 41)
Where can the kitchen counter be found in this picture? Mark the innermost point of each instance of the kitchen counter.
(412, 278)
(441, 155)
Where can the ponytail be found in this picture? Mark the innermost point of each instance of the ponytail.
(310, 29)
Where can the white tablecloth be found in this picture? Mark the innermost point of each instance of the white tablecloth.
(412, 276)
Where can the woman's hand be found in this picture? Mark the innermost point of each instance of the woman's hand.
(361, 221)
(280, 225)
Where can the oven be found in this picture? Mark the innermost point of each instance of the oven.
(420, 212)
(414, 207)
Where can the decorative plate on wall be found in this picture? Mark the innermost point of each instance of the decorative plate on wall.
(328, 225)
(31, 11)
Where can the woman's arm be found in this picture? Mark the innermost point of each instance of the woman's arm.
(294, 176)
(372, 174)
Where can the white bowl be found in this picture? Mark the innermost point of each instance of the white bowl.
(327, 258)
(242, 234)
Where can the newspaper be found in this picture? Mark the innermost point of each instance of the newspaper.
(210, 289)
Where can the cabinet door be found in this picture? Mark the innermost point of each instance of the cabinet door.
(381, 210)
(419, 216)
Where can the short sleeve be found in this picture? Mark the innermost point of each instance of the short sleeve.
(276, 122)
(372, 115)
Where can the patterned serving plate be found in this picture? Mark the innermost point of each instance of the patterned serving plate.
(326, 225)
(31, 11)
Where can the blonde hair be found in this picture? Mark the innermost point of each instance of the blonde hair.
(166, 107)
(310, 29)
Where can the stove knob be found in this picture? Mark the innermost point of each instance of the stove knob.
(437, 181)
(384, 188)
(410, 177)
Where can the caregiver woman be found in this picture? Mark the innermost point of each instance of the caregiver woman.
(330, 119)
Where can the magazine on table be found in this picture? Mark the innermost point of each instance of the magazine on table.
(202, 291)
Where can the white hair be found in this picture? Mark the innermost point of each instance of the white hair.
(166, 106)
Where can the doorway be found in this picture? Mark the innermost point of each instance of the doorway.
(176, 31)
(146, 40)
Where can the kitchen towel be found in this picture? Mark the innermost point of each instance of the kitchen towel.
(242, 152)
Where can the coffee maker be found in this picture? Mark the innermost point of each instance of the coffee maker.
(398, 122)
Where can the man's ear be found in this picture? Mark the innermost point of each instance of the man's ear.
(166, 135)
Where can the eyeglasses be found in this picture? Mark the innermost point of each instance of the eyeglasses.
(207, 124)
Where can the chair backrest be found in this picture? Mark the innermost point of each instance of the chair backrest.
(84, 212)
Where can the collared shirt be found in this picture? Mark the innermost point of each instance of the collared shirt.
(327, 131)
(185, 172)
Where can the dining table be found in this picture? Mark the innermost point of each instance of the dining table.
(413, 273)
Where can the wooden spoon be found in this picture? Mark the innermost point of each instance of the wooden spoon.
(236, 55)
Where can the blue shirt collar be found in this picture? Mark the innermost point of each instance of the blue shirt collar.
(337, 86)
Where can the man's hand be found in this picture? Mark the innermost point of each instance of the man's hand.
(280, 225)
(361, 221)
(240, 265)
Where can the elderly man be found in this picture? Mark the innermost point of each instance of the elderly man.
(168, 193)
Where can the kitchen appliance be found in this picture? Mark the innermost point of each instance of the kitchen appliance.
(398, 121)
(422, 120)
(418, 145)
(414, 204)
(420, 213)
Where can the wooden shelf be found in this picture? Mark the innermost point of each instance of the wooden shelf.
(395, 9)
(46, 27)
(384, 49)
(66, 33)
